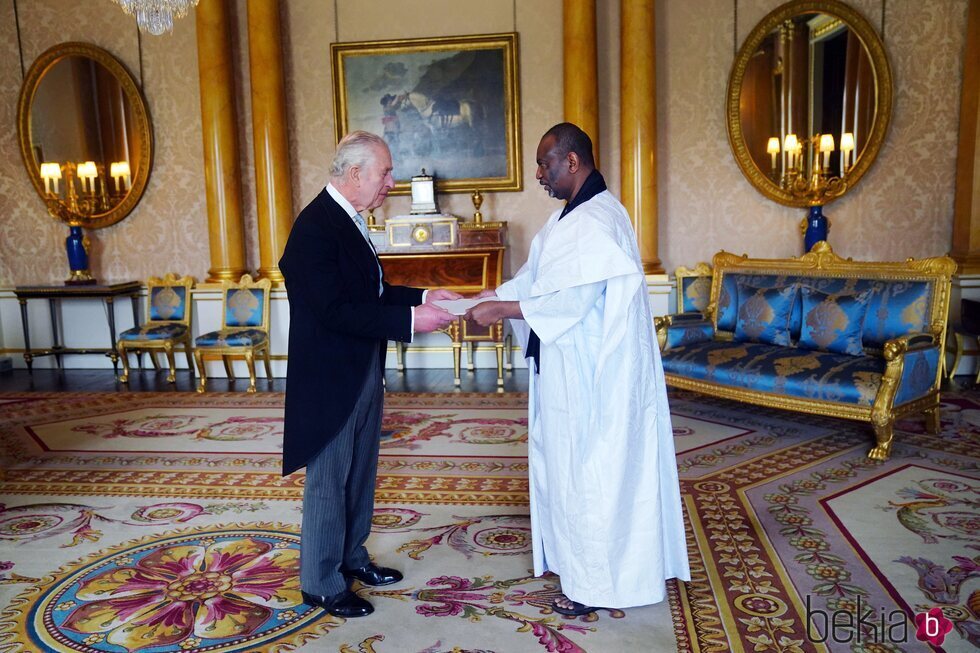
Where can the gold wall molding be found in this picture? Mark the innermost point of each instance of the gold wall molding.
(966, 208)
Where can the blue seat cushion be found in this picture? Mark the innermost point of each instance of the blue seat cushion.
(787, 371)
(763, 313)
(232, 338)
(151, 331)
(833, 321)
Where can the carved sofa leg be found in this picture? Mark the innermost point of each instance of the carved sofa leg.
(883, 437)
(933, 419)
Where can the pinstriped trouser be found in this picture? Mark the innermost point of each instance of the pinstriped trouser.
(338, 499)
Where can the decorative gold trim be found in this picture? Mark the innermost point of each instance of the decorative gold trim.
(140, 117)
(883, 100)
(507, 42)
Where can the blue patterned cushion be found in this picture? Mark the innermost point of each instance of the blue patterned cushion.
(243, 307)
(833, 322)
(695, 292)
(150, 331)
(168, 303)
(686, 333)
(786, 371)
(231, 338)
(763, 314)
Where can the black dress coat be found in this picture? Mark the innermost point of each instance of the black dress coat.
(336, 319)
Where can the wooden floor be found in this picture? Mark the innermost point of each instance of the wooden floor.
(414, 380)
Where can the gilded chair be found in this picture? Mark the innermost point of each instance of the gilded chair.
(244, 329)
(693, 288)
(167, 325)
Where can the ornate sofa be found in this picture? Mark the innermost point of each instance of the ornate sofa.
(818, 334)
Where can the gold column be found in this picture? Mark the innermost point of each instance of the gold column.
(966, 210)
(638, 125)
(219, 120)
(580, 71)
(272, 182)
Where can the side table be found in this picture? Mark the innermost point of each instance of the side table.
(55, 294)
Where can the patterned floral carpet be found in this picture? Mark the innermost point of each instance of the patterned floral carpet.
(159, 522)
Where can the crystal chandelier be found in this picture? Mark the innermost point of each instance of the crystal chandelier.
(156, 16)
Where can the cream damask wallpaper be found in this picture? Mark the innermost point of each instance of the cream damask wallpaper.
(903, 207)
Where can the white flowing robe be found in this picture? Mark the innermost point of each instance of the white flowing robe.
(605, 498)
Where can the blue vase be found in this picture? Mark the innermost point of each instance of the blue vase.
(816, 228)
(77, 257)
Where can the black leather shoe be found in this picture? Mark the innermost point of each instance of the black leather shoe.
(373, 575)
(346, 604)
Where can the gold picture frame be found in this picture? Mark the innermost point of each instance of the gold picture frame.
(450, 105)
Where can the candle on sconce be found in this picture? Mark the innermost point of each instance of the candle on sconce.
(87, 171)
(826, 146)
(773, 149)
(119, 169)
(846, 148)
(791, 145)
(50, 172)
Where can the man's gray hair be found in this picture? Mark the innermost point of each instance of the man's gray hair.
(355, 149)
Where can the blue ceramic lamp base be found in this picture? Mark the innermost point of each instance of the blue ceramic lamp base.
(76, 246)
(817, 227)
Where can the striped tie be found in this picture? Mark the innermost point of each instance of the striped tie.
(362, 227)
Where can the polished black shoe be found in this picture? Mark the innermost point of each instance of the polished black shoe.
(346, 604)
(373, 575)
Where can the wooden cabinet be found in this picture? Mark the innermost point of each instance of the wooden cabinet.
(467, 270)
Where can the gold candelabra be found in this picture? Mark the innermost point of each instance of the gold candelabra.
(806, 166)
(93, 198)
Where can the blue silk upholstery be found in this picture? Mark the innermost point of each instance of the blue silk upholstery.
(833, 322)
(152, 331)
(243, 307)
(231, 338)
(918, 374)
(763, 313)
(786, 371)
(167, 303)
(695, 293)
(895, 308)
(688, 333)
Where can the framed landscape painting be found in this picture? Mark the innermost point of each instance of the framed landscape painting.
(448, 105)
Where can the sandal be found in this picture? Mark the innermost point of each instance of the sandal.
(577, 609)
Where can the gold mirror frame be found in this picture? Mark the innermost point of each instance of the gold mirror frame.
(883, 94)
(141, 124)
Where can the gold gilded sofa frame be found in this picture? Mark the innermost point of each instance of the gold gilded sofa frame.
(822, 262)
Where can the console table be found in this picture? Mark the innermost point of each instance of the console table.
(466, 270)
(55, 294)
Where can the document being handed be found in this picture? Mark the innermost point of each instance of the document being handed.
(460, 306)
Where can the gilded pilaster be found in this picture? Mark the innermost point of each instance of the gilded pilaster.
(269, 135)
(580, 68)
(221, 160)
(966, 211)
(638, 125)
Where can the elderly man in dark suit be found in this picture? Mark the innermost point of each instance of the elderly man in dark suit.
(342, 314)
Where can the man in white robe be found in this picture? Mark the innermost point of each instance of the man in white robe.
(605, 498)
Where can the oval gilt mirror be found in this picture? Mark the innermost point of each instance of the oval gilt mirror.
(85, 134)
(809, 101)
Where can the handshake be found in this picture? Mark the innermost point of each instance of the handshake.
(430, 317)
